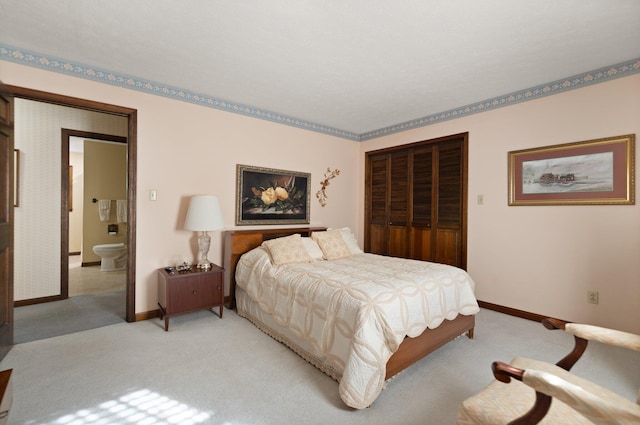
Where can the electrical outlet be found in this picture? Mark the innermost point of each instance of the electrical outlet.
(592, 297)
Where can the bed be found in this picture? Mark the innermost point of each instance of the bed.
(360, 339)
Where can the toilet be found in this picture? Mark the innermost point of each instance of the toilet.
(113, 255)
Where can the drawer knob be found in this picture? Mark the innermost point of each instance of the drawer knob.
(195, 292)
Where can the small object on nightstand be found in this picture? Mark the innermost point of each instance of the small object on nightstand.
(186, 291)
(184, 267)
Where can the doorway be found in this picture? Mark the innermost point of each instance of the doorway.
(102, 175)
(131, 116)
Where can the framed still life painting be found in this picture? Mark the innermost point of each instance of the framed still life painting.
(270, 196)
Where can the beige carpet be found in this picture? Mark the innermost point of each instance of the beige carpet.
(208, 370)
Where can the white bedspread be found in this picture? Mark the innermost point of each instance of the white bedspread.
(356, 311)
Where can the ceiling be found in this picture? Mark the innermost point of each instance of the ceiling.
(350, 68)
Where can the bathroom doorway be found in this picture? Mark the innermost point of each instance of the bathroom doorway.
(61, 251)
(94, 167)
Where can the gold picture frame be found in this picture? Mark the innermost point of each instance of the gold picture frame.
(591, 172)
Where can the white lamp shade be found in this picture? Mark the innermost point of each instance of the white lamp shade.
(204, 213)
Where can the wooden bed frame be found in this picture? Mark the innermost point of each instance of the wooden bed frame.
(237, 242)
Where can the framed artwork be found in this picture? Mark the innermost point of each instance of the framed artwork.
(592, 172)
(16, 177)
(270, 196)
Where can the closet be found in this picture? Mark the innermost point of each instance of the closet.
(416, 200)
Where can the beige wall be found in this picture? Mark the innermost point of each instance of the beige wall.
(184, 150)
(538, 259)
(105, 177)
(543, 259)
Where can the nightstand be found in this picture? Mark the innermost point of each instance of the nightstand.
(189, 291)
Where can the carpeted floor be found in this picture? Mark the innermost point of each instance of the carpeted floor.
(97, 299)
(208, 370)
(75, 314)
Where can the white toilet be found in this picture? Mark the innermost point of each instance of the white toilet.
(114, 256)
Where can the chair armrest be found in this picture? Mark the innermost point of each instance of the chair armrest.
(592, 406)
(504, 372)
(578, 349)
(604, 335)
(600, 410)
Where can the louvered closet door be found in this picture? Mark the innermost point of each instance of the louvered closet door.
(377, 205)
(416, 201)
(388, 210)
(398, 239)
(448, 227)
(436, 227)
(421, 234)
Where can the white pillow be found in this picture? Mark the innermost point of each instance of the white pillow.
(350, 240)
(313, 249)
(332, 244)
(288, 249)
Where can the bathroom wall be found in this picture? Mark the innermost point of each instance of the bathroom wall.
(105, 177)
(76, 160)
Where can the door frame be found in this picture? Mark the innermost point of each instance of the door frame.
(6, 220)
(65, 189)
(132, 147)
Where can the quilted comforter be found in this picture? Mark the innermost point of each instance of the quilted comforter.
(354, 312)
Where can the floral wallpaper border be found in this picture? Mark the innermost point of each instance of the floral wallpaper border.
(25, 57)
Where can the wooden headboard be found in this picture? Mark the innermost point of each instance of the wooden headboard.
(237, 242)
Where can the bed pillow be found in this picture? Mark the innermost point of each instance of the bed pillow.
(350, 240)
(288, 249)
(332, 244)
(313, 249)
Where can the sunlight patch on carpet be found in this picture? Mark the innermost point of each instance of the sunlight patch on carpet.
(142, 407)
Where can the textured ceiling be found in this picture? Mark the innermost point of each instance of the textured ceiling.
(354, 66)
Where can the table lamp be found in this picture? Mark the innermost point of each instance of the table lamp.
(204, 214)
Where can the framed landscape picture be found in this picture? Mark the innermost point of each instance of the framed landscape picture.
(270, 196)
(593, 172)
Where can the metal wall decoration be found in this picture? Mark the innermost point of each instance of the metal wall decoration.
(322, 193)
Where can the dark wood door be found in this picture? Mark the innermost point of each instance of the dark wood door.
(388, 205)
(6, 220)
(449, 206)
(416, 201)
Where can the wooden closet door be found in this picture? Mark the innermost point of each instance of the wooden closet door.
(416, 201)
(377, 205)
(388, 204)
(448, 226)
(436, 227)
(422, 217)
(398, 230)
